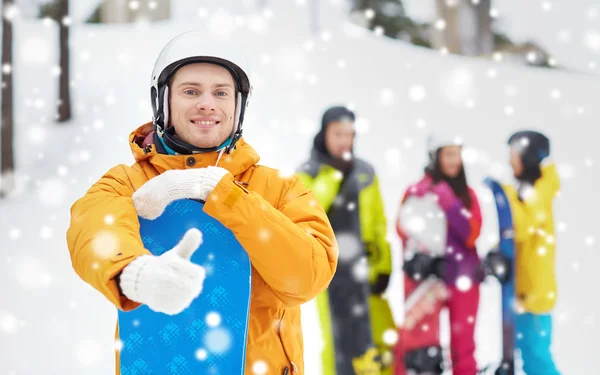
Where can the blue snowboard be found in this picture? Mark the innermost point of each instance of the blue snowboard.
(507, 249)
(209, 337)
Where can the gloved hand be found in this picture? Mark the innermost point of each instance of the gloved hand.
(444, 193)
(498, 265)
(423, 265)
(154, 196)
(381, 284)
(167, 283)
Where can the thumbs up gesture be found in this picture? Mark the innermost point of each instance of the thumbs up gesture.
(167, 283)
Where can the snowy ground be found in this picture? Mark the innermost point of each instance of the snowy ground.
(53, 323)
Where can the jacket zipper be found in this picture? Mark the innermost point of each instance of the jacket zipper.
(295, 368)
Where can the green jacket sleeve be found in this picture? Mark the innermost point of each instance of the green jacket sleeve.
(374, 230)
(325, 185)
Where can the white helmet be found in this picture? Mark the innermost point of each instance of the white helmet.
(435, 141)
(187, 48)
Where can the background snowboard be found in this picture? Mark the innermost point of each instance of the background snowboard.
(209, 337)
(424, 222)
(506, 248)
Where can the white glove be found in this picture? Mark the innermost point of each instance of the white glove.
(154, 196)
(167, 283)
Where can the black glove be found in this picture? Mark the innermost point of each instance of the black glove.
(497, 265)
(381, 284)
(422, 266)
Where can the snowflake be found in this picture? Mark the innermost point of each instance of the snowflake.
(509, 110)
(590, 240)
(361, 125)
(201, 354)
(469, 155)
(88, 352)
(386, 96)
(349, 246)
(257, 24)
(52, 192)
(264, 235)
(464, 283)
(62, 170)
(259, 368)
(8, 323)
(286, 172)
(459, 86)
(562, 226)
(105, 244)
(202, 12)
(213, 319)
(555, 94)
(218, 340)
(392, 155)
(492, 73)
(417, 93)
(592, 40)
(46, 232)
(37, 134)
(134, 5)
(11, 12)
(542, 251)
(118, 345)
(360, 270)
(15, 233)
(546, 6)
(358, 310)
(390, 337)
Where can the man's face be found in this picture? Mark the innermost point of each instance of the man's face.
(339, 138)
(202, 104)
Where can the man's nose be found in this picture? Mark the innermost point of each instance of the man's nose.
(205, 102)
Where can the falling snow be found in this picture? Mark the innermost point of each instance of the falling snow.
(105, 244)
(217, 340)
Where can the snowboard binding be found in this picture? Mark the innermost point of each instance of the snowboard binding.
(506, 368)
(425, 361)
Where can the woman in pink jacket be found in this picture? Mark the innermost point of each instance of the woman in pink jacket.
(453, 276)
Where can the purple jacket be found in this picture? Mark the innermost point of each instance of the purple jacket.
(464, 226)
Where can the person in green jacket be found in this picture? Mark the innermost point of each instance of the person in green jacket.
(530, 202)
(354, 314)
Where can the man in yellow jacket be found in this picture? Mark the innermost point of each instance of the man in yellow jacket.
(535, 283)
(194, 149)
